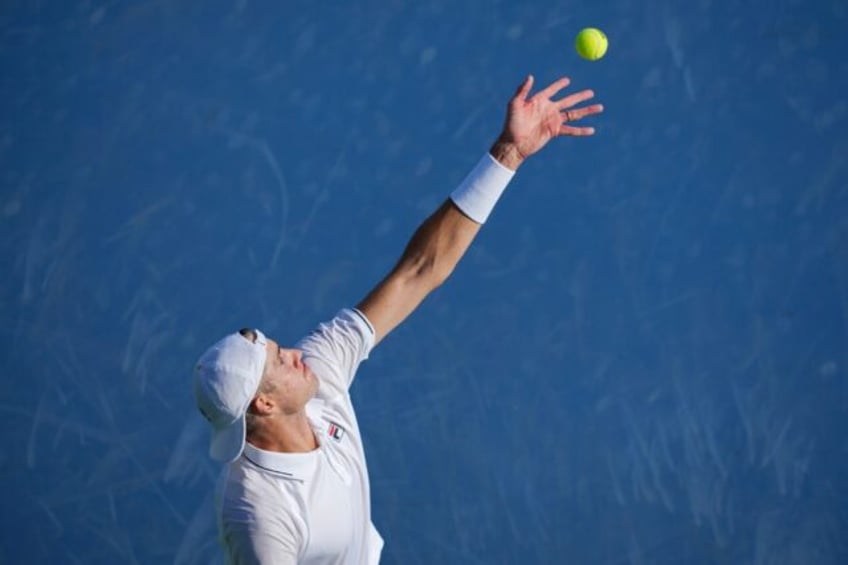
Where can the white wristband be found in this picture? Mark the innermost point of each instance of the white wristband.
(479, 192)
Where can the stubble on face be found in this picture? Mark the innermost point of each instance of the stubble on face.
(297, 384)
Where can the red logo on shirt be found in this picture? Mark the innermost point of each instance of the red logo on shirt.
(335, 431)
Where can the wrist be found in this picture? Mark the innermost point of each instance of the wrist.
(477, 195)
(507, 153)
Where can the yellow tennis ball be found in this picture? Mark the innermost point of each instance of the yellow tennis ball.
(591, 43)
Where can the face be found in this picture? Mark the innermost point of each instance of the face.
(294, 382)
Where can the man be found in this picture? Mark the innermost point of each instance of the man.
(295, 489)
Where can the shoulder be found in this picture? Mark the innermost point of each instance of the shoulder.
(335, 349)
(348, 327)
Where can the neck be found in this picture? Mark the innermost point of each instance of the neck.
(288, 434)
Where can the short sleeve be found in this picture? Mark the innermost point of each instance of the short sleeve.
(335, 349)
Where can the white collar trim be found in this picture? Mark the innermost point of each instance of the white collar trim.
(296, 466)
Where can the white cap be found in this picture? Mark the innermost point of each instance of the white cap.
(226, 379)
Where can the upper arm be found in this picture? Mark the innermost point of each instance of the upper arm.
(392, 300)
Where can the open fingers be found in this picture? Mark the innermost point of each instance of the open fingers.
(571, 130)
(575, 98)
(579, 113)
(553, 88)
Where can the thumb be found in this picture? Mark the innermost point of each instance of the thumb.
(524, 88)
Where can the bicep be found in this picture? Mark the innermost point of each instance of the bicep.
(391, 301)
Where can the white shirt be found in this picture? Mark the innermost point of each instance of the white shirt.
(308, 508)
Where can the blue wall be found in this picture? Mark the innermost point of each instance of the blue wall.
(642, 359)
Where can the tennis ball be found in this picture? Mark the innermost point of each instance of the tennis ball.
(591, 43)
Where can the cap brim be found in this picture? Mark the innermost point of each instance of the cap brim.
(228, 443)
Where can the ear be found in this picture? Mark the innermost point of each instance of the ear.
(261, 405)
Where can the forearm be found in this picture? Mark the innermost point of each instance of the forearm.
(428, 259)
(437, 246)
(440, 242)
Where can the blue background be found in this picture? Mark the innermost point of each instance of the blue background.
(642, 359)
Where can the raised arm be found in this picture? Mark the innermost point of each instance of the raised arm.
(441, 241)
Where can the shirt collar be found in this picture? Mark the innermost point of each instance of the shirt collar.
(295, 466)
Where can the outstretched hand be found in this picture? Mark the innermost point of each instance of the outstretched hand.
(532, 121)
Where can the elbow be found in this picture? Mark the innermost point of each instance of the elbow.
(441, 274)
(427, 272)
(437, 277)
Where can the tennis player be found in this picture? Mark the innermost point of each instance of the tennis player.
(295, 485)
